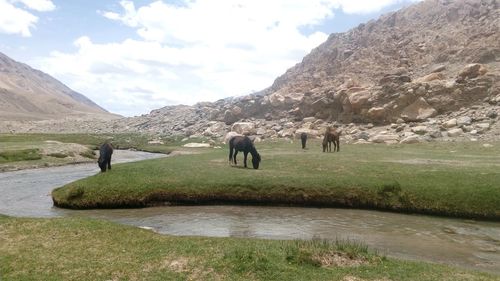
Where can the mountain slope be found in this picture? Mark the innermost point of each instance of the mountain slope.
(413, 41)
(29, 94)
(428, 71)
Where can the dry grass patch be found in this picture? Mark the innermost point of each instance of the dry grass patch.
(339, 259)
(354, 278)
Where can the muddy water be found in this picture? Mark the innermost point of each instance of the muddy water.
(459, 242)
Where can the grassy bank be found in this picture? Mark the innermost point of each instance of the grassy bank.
(453, 179)
(85, 249)
(25, 151)
(120, 141)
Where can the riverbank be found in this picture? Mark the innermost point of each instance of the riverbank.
(31, 151)
(87, 249)
(450, 179)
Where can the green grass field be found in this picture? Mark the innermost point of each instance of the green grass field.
(453, 179)
(25, 151)
(29, 154)
(86, 249)
(120, 141)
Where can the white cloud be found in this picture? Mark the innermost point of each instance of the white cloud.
(38, 5)
(367, 6)
(15, 20)
(199, 51)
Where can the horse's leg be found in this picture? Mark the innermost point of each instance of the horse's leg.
(234, 157)
(245, 154)
(338, 145)
(109, 163)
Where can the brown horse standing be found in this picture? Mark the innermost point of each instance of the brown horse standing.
(331, 136)
(243, 143)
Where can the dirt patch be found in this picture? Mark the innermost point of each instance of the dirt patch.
(179, 264)
(338, 259)
(420, 161)
(354, 278)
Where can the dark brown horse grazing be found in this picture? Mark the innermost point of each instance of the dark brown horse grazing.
(105, 153)
(303, 138)
(243, 143)
(331, 136)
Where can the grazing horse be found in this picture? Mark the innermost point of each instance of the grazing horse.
(303, 138)
(104, 160)
(243, 143)
(331, 135)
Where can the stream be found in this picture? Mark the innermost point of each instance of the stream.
(460, 242)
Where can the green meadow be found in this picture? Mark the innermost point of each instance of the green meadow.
(451, 179)
(87, 249)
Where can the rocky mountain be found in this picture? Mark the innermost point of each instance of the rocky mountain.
(29, 94)
(429, 71)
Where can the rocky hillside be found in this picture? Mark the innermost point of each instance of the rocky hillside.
(426, 72)
(29, 94)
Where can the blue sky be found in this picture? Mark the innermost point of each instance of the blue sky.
(131, 57)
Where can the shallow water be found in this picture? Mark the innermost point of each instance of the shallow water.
(459, 242)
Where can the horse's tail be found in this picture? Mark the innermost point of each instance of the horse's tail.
(231, 146)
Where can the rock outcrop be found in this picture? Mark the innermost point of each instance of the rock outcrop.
(426, 72)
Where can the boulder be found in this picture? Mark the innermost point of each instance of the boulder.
(398, 79)
(359, 99)
(232, 115)
(196, 145)
(421, 130)
(430, 77)
(362, 135)
(216, 129)
(455, 132)
(309, 119)
(418, 111)
(472, 71)
(411, 139)
(482, 127)
(276, 99)
(463, 121)
(385, 138)
(450, 123)
(377, 113)
(261, 131)
(439, 68)
(244, 128)
(293, 98)
(229, 135)
(310, 132)
(287, 133)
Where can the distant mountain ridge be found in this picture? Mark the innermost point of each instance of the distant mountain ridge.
(30, 94)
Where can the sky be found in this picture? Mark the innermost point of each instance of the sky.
(131, 57)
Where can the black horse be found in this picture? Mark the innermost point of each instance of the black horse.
(303, 138)
(105, 153)
(243, 143)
